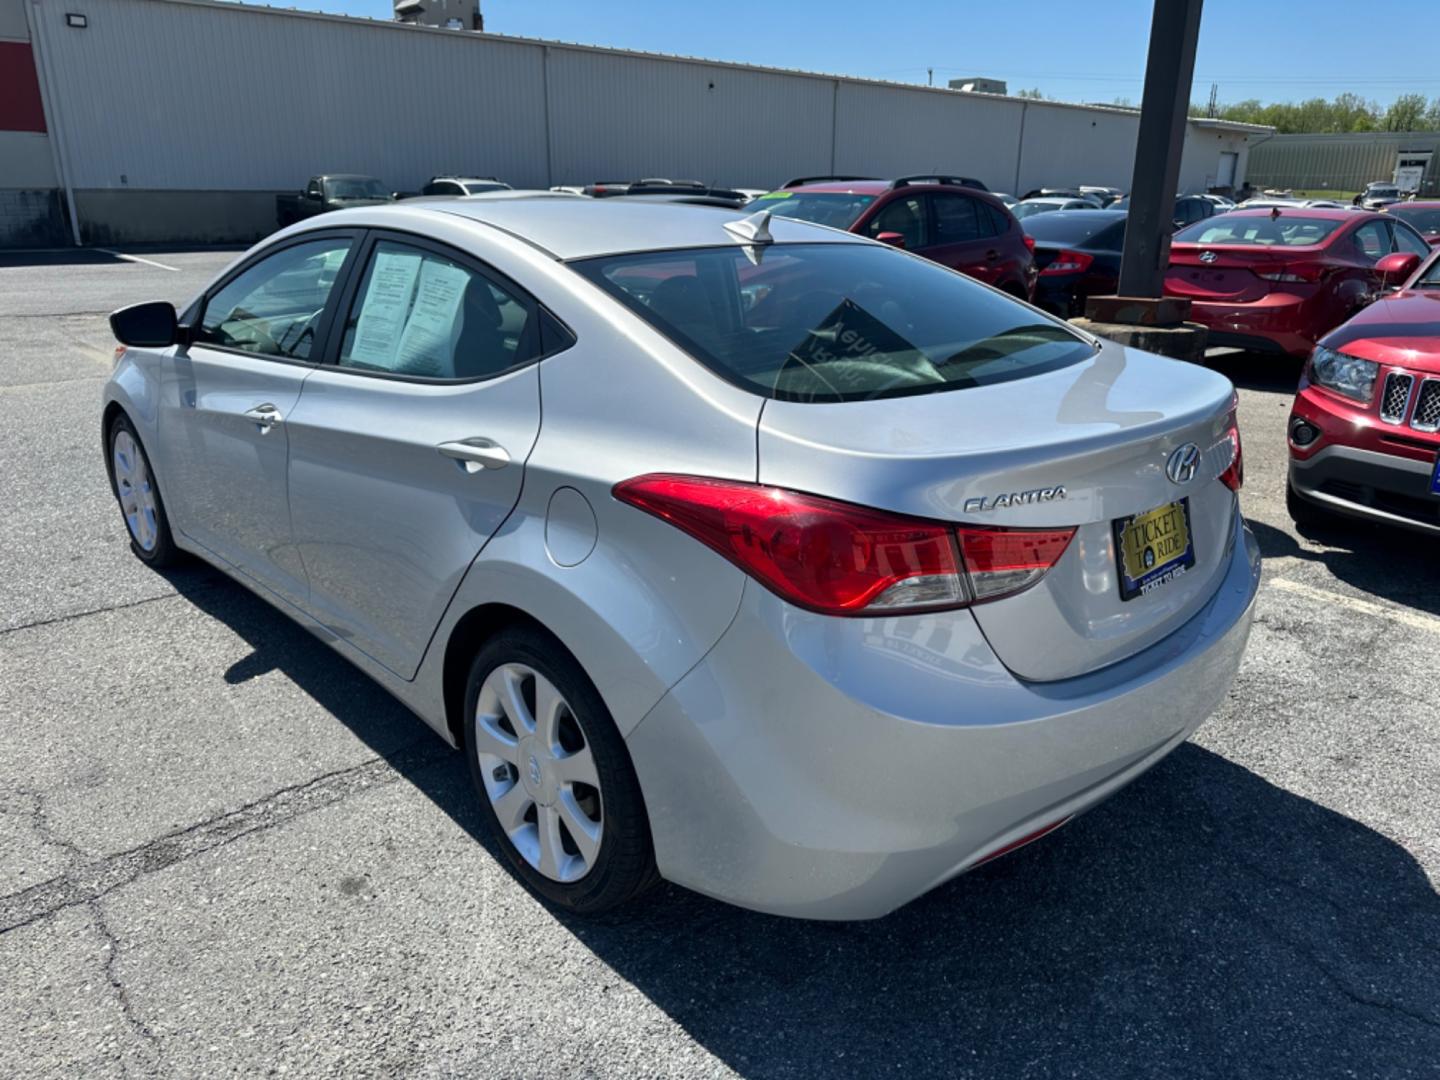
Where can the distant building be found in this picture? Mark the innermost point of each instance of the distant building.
(455, 14)
(979, 86)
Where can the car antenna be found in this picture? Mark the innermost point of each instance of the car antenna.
(753, 230)
(1274, 212)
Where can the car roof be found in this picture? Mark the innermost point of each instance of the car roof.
(849, 187)
(1423, 204)
(574, 227)
(1051, 200)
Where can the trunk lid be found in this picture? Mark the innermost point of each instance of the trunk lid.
(1103, 430)
(1229, 274)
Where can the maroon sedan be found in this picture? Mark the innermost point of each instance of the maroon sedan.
(944, 218)
(1278, 280)
(1423, 216)
(1365, 426)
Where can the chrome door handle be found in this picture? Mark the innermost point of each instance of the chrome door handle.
(476, 454)
(266, 416)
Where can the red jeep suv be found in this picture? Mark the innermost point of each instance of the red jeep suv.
(948, 219)
(1365, 426)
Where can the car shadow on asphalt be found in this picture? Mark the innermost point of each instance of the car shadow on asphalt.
(1258, 371)
(1204, 922)
(1388, 563)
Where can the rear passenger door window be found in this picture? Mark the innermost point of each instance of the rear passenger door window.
(275, 307)
(958, 220)
(419, 314)
(1372, 240)
(905, 216)
(1407, 241)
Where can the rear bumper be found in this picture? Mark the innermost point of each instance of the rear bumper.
(1279, 323)
(837, 769)
(1370, 485)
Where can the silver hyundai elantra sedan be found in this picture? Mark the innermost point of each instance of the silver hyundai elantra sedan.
(736, 551)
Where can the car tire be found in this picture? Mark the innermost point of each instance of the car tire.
(137, 493)
(1302, 511)
(537, 792)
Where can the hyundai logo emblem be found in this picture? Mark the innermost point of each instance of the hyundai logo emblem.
(1208, 256)
(534, 769)
(1183, 463)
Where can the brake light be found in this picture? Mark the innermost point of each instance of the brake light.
(1308, 273)
(1002, 562)
(840, 559)
(1069, 262)
(1029, 242)
(1234, 475)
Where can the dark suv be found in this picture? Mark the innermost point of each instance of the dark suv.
(948, 219)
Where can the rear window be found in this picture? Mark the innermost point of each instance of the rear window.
(835, 322)
(1073, 227)
(838, 209)
(1287, 230)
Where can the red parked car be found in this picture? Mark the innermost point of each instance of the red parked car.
(1424, 216)
(945, 218)
(1278, 280)
(1365, 426)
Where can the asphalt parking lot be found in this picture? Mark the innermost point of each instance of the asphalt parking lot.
(225, 852)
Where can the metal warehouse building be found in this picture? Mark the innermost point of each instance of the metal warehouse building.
(1345, 162)
(169, 120)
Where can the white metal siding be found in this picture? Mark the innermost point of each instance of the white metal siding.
(177, 95)
(892, 131)
(1065, 147)
(616, 117)
(192, 97)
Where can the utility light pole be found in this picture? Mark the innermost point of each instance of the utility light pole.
(1174, 33)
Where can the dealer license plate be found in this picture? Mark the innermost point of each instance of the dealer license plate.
(1153, 548)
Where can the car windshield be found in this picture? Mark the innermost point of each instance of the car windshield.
(835, 322)
(1424, 218)
(1287, 230)
(356, 188)
(838, 209)
(1382, 191)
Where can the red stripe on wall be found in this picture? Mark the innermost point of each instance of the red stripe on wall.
(20, 108)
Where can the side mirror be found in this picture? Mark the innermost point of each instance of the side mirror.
(894, 239)
(1397, 267)
(146, 326)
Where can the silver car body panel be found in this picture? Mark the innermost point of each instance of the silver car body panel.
(737, 706)
(836, 769)
(1101, 429)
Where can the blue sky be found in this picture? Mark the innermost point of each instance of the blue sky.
(1073, 50)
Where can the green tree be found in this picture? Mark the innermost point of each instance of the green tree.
(1407, 114)
(1033, 94)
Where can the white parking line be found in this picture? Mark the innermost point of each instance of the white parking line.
(138, 259)
(1415, 619)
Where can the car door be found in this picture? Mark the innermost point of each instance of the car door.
(408, 446)
(964, 237)
(256, 335)
(907, 216)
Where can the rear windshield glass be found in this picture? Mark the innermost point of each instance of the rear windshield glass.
(838, 209)
(1072, 227)
(1426, 219)
(835, 322)
(359, 188)
(1287, 230)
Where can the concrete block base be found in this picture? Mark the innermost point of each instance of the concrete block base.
(1183, 342)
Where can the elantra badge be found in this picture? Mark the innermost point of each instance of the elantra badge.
(1013, 498)
(1183, 463)
(1208, 256)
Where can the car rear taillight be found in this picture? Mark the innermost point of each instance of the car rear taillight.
(840, 559)
(1234, 475)
(1069, 262)
(1029, 243)
(1307, 273)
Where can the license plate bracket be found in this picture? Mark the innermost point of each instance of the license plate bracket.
(1154, 547)
(1435, 476)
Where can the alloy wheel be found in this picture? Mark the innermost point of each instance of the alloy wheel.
(539, 772)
